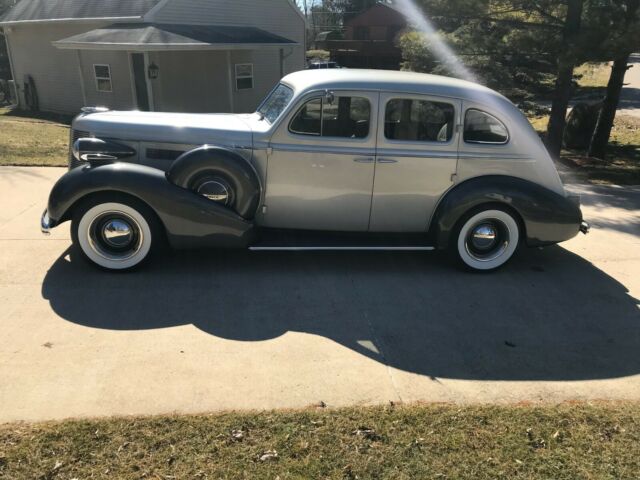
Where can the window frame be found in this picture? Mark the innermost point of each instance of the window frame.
(299, 109)
(413, 97)
(308, 99)
(98, 78)
(244, 77)
(479, 142)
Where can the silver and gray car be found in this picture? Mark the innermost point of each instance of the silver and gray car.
(331, 160)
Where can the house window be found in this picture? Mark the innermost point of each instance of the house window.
(103, 78)
(244, 76)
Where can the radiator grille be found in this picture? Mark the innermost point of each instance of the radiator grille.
(75, 135)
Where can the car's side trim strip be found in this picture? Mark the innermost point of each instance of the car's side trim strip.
(327, 149)
(363, 248)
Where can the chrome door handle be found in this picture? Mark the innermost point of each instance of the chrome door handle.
(387, 160)
(363, 160)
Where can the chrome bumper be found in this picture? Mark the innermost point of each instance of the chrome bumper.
(45, 223)
(585, 227)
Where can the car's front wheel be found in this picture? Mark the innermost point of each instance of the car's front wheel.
(487, 239)
(115, 235)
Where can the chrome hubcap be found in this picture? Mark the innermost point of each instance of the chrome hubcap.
(216, 190)
(487, 240)
(484, 236)
(115, 236)
(117, 233)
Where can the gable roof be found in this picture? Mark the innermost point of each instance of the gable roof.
(46, 10)
(157, 36)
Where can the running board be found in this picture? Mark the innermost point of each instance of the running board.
(351, 248)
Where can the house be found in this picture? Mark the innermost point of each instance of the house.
(163, 55)
(369, 39)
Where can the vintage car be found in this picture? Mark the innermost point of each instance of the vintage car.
(331, 160)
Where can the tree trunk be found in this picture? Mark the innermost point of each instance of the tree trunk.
(600, 139)
(562, 93)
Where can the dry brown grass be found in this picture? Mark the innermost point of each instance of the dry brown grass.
(437, 441)
(32, 142)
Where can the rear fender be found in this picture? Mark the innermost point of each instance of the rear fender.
(190, 220)
(547, 217)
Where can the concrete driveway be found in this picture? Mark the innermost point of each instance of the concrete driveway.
(238, 330)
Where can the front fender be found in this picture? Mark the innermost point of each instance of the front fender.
(548, 217)
(190, 220)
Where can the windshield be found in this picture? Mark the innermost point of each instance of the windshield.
(275, 103)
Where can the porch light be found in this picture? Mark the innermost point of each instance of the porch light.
(154, 71)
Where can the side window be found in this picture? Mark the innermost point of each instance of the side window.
(482, 127)
(102, 74)
(418, 120)
(308, 119)
(344, 117)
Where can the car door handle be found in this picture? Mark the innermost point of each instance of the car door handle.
(363, 160)
(387, 160)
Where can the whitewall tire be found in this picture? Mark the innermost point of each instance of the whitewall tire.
(486, 240)
(114, 235)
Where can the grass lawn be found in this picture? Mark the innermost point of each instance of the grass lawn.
(438, 441)
(31, 141)
(593, 75)
(622, 165)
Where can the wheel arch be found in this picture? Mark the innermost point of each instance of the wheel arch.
(189, 220)
(111, 195)
(544, 216)
(202, 160)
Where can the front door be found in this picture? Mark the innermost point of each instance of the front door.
(139, 68)
(322, 161)
(416, 159)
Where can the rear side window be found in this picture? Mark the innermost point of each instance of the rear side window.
(345, 117)
(482, 127)
(418, 120)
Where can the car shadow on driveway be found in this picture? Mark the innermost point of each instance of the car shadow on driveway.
(549, 315)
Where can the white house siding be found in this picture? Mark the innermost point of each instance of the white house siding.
(194, 81)
(55, 72)
(266, 74)
(276, 16)
(121, 96)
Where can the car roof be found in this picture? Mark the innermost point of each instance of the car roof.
(387, 80)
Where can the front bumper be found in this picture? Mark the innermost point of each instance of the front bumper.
(584, 227)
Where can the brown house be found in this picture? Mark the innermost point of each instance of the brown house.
(369, 40)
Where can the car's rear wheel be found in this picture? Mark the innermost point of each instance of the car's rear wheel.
(115, 235)
(487, 239)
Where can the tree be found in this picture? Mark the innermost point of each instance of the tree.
(509, 45)
(566, 63)
(624, 45)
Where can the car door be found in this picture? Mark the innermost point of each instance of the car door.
(321, 163)
(416, 161)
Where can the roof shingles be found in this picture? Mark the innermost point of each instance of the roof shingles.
(150, 35)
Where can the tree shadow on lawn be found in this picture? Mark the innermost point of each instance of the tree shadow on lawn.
(549, 315)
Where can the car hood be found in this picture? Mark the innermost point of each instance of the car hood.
(195, 129)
